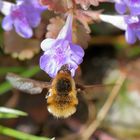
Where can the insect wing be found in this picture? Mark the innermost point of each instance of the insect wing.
(94, 91)
(27, 85)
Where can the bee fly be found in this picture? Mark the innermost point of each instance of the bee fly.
(62, 91)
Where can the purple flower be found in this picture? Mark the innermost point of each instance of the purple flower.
(23, 16)
(61, 51)
(132, 5)
(131, 25)
(133, 28)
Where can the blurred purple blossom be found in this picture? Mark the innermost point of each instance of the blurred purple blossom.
(23, 16)
(61, 51)
(131, 25)
(133, 28)
(133, 6)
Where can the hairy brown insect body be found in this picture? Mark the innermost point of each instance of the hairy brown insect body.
(62, 91)
(62, 99)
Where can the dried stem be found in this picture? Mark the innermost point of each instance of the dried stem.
(13, 101)
(86, 134)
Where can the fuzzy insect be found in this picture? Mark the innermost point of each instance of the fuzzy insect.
(62, 91)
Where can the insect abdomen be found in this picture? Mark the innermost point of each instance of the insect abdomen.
(62, 106)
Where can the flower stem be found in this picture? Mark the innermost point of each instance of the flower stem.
(86, 134)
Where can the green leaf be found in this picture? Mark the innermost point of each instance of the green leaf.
(20, 135)
(31, 72)
(4, 87)
(10, 113)
(5, 70)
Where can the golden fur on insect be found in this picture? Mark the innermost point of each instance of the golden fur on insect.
(62, 105)
(62, 91)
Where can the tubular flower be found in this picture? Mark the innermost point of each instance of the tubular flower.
(131, 25)
(23, 16)
(61, 51)
(133, 28)
(133, 6)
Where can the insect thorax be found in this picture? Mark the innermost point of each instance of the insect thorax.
(63, 86)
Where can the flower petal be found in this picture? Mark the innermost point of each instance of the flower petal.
(138, 34)
(73, 66)
(7, 23)
(77, 53)
(23, 28)
(77, 49)
(120, 8)
(48, 65)
(47, 44)
(34, 19)
(6, 7)
(130, 36)
(115, 20)
(66, 31)
(135, 10)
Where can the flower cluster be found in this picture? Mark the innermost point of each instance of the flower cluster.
(133, 6)
(61, 51)
(132, 20)
(23, 16)
(26, 15)
(129, 19)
